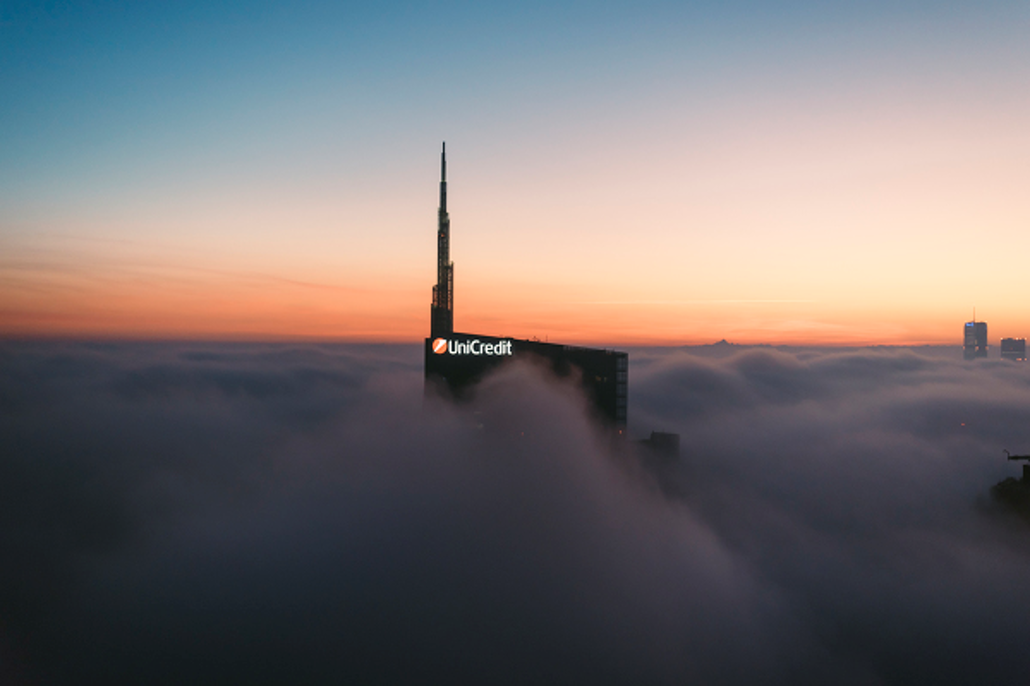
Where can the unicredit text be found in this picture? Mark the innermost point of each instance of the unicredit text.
(478, 347)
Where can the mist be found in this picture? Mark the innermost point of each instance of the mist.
(214, 513)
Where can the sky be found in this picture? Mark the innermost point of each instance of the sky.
(212, 512)
(619, 173)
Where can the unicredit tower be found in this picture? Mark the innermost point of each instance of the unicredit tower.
(455, 362)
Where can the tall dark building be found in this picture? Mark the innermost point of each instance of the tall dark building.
(974, 343)
(455, 362)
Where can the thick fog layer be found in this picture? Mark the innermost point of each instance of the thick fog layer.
(202, 514)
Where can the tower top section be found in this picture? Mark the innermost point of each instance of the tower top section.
(443, 178)
(442, 321)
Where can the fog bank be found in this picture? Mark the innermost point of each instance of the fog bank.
(213, 513)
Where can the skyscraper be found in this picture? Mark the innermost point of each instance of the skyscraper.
(1013, 349)
(974, 342)
(455, 362)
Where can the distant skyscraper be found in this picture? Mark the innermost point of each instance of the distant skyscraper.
(974, 342)
(1013, 349)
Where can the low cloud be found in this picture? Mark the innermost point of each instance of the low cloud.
(202, 513)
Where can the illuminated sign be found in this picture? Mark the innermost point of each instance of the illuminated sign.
(472, 347)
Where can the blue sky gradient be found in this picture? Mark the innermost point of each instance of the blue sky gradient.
(203, 124)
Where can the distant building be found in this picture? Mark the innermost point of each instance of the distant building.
(1013, 349)
(662, 444)
(974, 342)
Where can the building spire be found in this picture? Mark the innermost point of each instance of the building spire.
(443, 178)
(442, 321)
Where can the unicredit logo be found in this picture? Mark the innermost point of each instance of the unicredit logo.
(473, 347)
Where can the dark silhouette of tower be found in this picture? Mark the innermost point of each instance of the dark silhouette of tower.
(974, 343)
(455, 361)
(1013, 349)
(442, 319)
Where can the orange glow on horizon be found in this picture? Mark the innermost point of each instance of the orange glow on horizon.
(848, 233)
(145, 293)
(221, 306)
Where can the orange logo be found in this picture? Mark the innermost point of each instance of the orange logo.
(439, 346)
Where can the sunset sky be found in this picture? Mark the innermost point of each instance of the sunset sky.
(619, 173)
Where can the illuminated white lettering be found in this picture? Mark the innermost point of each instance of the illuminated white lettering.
(473, 347)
